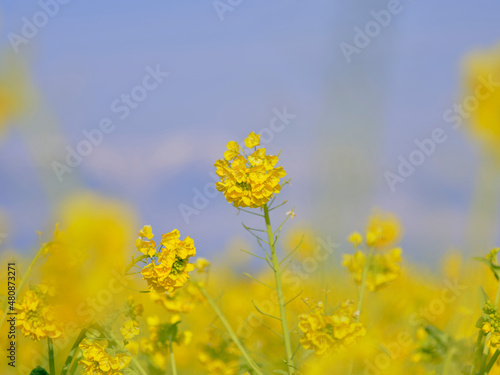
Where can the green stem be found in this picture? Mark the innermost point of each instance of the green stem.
(476, 354)
(23, 281)
(363, 282)
(448, 361)
(279, 290)
(74, 366)
(133, 263)
(74, 349)
(52, 365)
(492, 362)
(172, 358)
(229, 329)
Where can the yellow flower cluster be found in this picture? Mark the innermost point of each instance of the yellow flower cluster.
(328, 333)
(170, 265)
(35, 316)
(133, 309)
(383, 268)
(98, 361)
(179, 301)
(481, 69)
(491, 324)
(383, 230)
(248, 181)
(219, 356)
(157, 344)
(130, 329)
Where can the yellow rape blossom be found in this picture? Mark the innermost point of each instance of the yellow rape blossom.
(328, 333)
(491, 324)
(481, 72)
(98, 361)
(383, 268)
(248, 181)
(169, 267)
(130, 329)
(383, 230)
(179, 301)
(219, 356)
(356, 239)
(253, 140)
(144, 242)
(202, 265)
(35, 317)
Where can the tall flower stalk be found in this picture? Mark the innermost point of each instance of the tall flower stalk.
(252, 180)
(279, 291)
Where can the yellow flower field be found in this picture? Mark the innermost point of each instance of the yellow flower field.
(89, 304)
(366, 245)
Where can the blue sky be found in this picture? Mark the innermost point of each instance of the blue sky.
(228, 78)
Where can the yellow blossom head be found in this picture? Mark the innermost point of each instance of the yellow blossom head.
(383, 230)
(356, 239)
(35, 316)
(253, 140)
(169, 266)
(248, 180)
(383, 268)
(98, 360)
(130, 329)
(481, 98)
(325, 333)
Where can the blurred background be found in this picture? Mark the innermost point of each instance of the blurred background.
(342, 88)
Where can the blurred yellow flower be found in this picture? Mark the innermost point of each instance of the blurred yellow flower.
(328, 333)
(219, 356)
(303, 237)
(356, 239)
(494, 341)
(383, 268)
(202, 265)
(180, 300)
(35, 316)
(248, 181)
(97, 361)
(481, 82)
(130, 329)
(383, 230)
(12, 92)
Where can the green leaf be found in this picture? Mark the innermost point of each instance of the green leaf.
(93, 333)
(479, 323)
(483, 297)
(172, 332)
(441, 338)
(39, 371)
